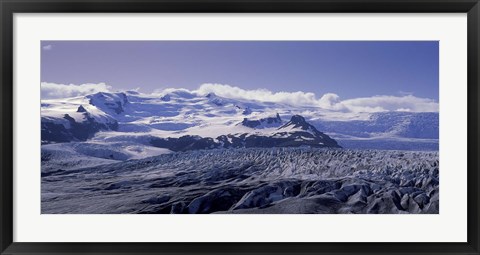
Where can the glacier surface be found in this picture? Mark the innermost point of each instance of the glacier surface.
(254, 180)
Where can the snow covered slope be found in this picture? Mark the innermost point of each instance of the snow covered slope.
(140, 119)
(386, 130)
(74, 155)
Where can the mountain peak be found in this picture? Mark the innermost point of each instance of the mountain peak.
(81, 109)
(165, 98)
(298, 119)
(109, 101)
(210, 95)
(305, 133)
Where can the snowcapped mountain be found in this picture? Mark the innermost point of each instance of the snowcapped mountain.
(179, 120)
(387, 124)
(386, 130)
(296, 133)
(73, 119)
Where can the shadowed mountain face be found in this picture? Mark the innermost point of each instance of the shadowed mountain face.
(73, 130)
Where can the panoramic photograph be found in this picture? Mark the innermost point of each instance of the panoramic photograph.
(239, 127)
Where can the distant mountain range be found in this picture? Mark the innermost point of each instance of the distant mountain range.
(181, 120)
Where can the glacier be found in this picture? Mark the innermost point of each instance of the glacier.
(254, 180)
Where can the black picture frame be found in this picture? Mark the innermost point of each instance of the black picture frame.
(9, 7)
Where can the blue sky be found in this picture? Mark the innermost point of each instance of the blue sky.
(350, 69)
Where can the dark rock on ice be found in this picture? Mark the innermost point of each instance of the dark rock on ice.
(262, 123)
(81, 109)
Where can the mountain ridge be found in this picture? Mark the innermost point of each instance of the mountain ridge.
(178, 113)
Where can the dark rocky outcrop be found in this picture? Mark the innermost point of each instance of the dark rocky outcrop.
(81, 109)
(262, 123)
(54, 131)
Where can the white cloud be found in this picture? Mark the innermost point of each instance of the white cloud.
(330, 101)
(293, 98)
(327, 101)
(47, 47)
(54, 90)
(391, 103)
